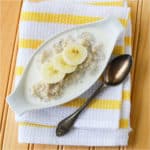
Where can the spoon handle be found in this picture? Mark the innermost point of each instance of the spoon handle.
(65, 125)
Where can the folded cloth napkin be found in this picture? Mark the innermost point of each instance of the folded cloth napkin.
(106, 121)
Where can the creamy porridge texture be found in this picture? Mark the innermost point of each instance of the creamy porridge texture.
(65, 63)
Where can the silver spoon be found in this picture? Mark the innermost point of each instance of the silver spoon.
(114, 74)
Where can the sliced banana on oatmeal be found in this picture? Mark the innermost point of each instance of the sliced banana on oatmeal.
(61, 65)
(74, 54)
(50, 74)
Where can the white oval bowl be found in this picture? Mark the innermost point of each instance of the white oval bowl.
(105, 31)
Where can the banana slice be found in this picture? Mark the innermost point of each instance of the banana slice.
(74, 54)
(61, 65)
(50, 74)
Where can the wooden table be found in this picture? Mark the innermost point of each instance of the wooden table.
(140, 113)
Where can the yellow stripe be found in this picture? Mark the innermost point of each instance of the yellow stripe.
(62, 18)
(126, 95)
(29, 43)
(19, 70)
(114, 3)
(57, 18)
(95, 104)
(128, 41)
(34, 44)
(118, 50)
(124, 123)
(35, 125)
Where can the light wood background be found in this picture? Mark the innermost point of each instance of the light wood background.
(140, 113)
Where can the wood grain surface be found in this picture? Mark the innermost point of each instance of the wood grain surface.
(140, 112)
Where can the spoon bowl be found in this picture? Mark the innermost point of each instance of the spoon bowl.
(117, 70)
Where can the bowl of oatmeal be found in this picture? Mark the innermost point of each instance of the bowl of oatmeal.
(65, 66)
(67, 62)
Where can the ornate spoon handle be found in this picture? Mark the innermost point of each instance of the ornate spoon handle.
(65, 125)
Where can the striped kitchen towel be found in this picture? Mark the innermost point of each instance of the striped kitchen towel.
(106, 121)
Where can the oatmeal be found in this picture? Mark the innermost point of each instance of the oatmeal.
(66, 63)
(44, 90)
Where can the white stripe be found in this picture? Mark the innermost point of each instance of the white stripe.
(42, 31)
(120, 40)
(107, 93)
(127, 83)
(89, 1)
(17, 79)
(125, 4)
(81, 1)
(76, 9)
(51, 116)
(125, 110)
(39, 30)
(24, 56)
(128, 50)
(128, 29)
(99, 137)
